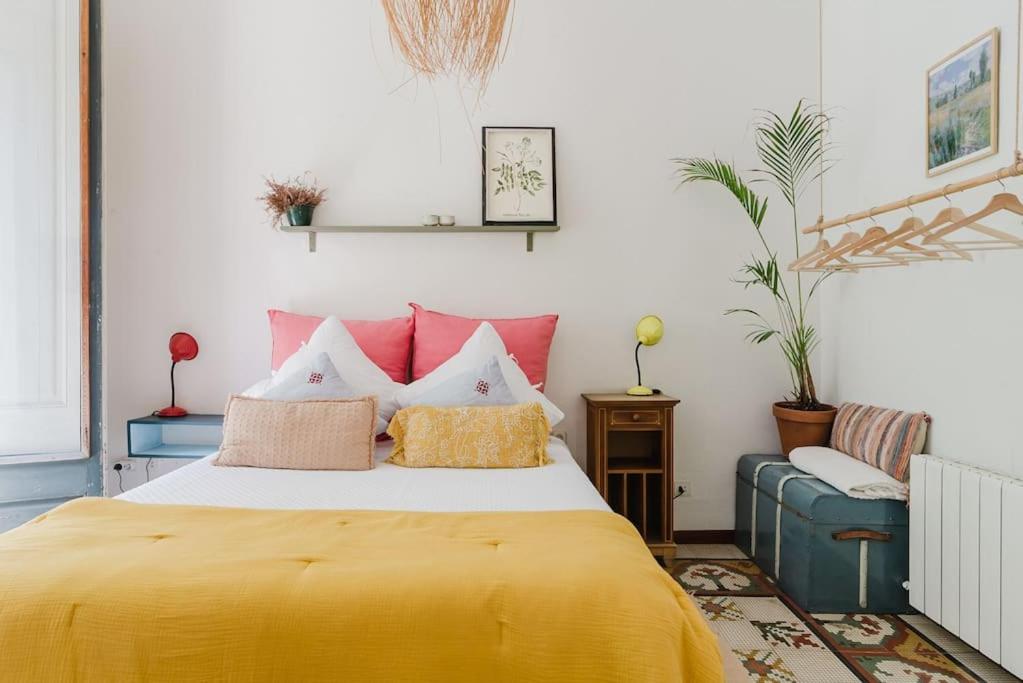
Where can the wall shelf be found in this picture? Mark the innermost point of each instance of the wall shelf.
(313, 230)
(192, 436)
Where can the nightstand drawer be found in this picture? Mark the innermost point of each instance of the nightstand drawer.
(649, 418)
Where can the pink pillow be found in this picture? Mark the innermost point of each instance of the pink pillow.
(438, 336)
(388, 343)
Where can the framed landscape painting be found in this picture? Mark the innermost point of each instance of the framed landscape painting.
(519, 183)
(962, 105)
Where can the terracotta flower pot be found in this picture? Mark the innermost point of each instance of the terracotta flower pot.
(803, 427)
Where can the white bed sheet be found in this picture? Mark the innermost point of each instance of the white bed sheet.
(561, 485)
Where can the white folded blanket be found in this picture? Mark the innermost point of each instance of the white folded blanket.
(852, 477)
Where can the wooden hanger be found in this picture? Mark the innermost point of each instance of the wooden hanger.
(812, 255)
(1003, 201)
(888, 262)
(902, 245)
(842, 247)
(949, 214)
(856, 245)
(808, 263)
(900, 237)
(834, 258)
(824, 257)
(872, 236)
(843, 265)
(850, 243)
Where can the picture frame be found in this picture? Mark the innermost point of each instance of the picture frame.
(519, 175)
(962, 105)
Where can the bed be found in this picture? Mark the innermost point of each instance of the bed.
(391, 574)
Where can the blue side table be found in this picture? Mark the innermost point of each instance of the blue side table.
(191, 436)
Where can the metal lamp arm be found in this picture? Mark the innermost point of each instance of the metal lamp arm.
(639, 374)
(173, 363)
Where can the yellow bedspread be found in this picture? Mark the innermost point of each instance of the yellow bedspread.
(106, 590)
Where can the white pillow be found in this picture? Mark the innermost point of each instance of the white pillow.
(484, 386)
(362, 374)
(484, 343)
(320, 379)
(258, 389)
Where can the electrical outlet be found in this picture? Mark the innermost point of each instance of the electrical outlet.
(683, 488)
(123, 465)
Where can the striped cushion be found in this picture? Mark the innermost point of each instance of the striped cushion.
(880, 437)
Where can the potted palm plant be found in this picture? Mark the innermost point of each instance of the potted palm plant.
(792, 150)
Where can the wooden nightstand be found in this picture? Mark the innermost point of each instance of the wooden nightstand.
(629, 452)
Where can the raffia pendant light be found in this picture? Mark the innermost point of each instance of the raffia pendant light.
(463, 38)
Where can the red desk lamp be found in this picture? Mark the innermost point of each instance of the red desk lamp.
(183, 346)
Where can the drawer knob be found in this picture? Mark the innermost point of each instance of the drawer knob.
(635, 417)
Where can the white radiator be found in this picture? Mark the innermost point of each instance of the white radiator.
(966, 555)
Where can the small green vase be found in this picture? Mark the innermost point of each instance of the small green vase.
(301, 214)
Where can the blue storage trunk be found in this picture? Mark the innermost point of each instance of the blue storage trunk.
(828, 552)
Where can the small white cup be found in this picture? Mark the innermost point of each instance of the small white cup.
(447, 220)
(431, 219)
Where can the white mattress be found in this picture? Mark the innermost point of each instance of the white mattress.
(561, 485)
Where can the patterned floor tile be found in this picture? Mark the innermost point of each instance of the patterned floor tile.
(858, 631)
(790, 634)
(743, 634)
(881, 668)
(722, 577)
(764, 666)
(777, 643)
(887, 648)
(720, 608)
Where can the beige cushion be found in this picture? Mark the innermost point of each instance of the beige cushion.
(321, 434)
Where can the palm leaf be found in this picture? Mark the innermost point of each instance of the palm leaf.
(764, 273)
(793, 151)
(695, 169)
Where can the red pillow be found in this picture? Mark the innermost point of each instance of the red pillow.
(388, 343)
(438, 336)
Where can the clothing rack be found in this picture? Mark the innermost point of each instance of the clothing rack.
(877, 243)
(1015, 169)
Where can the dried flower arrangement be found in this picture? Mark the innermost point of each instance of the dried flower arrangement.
(461, 37)
(280, 196)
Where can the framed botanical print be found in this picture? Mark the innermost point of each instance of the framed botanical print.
(962, 105)
(519, 176)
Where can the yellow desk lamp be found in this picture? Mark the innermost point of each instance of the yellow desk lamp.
(649, 331)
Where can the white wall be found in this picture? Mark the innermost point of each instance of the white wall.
(201, 99)
(945, 338)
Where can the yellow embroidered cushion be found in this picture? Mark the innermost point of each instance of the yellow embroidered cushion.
(478, 436)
